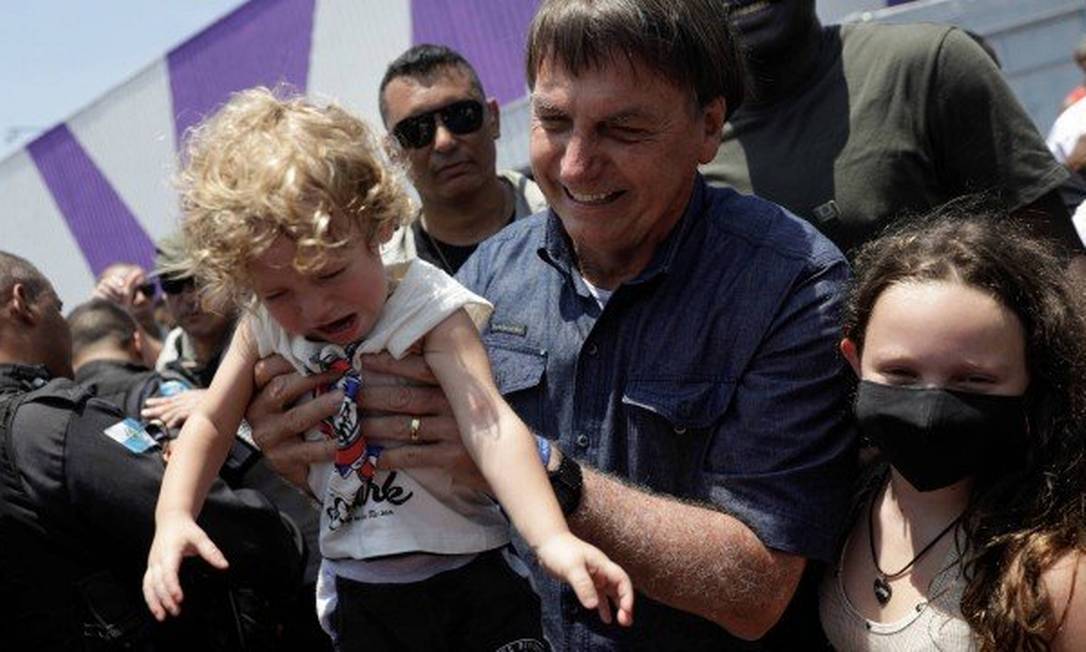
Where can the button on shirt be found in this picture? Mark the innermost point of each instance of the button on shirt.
(713, 376)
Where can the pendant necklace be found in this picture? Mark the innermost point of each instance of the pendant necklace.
(440, 253)
(508, 207)
(881, 585)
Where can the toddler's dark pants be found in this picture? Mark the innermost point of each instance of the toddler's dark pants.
(484, 605)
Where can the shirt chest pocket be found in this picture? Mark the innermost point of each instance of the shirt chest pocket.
(669, 429)
(681, 406)
(519, 372)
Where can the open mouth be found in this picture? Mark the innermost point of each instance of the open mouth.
(748, 9)
(337, 328)
(593, 199)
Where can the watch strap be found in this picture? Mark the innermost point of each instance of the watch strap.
(567, 482)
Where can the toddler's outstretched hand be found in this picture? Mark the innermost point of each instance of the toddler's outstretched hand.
(590, 573)
(174, 538)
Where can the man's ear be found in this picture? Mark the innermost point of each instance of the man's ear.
(21, 304)
(852, 354)
(495, 122)
(712, 115)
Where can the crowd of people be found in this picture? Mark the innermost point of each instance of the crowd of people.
(781, 344)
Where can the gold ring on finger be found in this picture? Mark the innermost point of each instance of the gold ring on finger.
(416, 423)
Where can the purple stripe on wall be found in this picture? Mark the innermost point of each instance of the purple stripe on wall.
(103, 226)
(263, 42)
(489, 34)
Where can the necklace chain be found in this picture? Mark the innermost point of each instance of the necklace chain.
(508, 207)
(882, 589)
(440, 252)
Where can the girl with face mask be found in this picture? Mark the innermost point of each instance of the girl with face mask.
(970, 347)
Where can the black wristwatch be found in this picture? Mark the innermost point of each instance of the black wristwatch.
(567, 483)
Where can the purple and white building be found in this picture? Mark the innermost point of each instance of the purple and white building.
(97, 188)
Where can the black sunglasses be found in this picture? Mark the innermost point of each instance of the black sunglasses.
(463, 117)
(146, 289)
(175, 285)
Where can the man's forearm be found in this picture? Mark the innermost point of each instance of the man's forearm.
(688, 557)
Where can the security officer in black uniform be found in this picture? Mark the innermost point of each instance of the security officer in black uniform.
(77, 497)
(107, 355)
(108, 361)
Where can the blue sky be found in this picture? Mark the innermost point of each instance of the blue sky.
(57, 56)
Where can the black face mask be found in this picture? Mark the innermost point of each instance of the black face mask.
(774, 30)
(936, 437)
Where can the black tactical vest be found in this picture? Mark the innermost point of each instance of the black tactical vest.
(67, 596)
(66, 599)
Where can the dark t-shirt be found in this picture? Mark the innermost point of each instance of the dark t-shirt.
(896, 119)
(125, 384)
(447, 256)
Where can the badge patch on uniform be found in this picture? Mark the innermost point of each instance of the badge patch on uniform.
(130, 434)
(828, 212)
(511, 329)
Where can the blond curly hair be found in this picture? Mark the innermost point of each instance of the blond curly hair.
(269, 163)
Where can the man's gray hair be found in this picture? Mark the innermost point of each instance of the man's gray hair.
(688, 41)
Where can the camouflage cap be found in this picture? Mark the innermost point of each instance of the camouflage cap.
(170, 259)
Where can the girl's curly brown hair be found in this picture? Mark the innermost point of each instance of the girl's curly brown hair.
(268, 164)
(1030, 512)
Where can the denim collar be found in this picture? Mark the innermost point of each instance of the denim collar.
(557, 249)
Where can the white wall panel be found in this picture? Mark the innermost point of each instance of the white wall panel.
(353, 43)
(34, 228)
(129, 134)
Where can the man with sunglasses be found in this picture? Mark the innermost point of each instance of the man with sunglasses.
(443, 129)
(195, 346)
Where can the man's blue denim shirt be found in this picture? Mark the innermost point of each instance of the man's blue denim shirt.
(713, 376)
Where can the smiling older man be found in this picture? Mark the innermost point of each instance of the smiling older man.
(676, 340)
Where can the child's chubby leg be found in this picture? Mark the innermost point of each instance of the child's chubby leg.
(589, 573)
